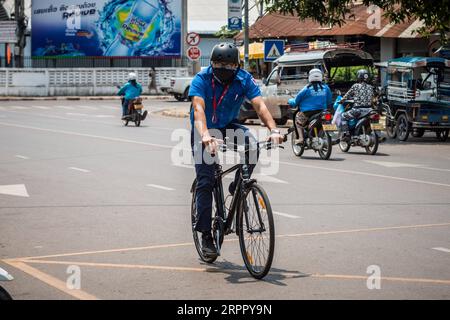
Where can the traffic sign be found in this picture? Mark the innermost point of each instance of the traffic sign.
(194, 53)
(273, 49)
(193, 39)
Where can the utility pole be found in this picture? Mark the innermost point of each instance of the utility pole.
(19, 16)
(246, 36)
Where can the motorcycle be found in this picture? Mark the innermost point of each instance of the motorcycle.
(5, 276)
(365, 129)
(135, 112)
(315, 134)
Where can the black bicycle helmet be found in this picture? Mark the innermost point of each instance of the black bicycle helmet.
(225, 52)
(363, 75)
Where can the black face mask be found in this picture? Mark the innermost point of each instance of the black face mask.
(223, 75)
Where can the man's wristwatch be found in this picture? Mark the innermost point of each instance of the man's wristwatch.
(275, 131)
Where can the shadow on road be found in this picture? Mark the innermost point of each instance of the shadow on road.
(238, 274)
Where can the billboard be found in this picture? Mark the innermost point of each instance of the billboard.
(122, 28)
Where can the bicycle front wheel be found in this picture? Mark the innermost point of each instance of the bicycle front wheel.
(256, 231)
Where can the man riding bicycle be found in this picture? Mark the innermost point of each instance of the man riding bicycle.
(217, 94)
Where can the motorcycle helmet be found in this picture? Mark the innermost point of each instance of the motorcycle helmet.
(315, 75)
(132, 76)
(362, 75)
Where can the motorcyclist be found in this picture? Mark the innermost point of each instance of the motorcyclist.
(217, 93)
(362, 94)
(311, 100)
(130, 90)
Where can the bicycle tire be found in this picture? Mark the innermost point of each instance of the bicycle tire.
(195, 233)
(247, 256)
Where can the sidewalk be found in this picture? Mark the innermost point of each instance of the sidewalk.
(11, 98)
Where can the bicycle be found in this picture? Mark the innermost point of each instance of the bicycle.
(250, 226)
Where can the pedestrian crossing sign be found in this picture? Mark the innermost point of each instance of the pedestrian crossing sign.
(273, 49)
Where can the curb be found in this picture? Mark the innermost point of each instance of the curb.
(79, 98)
(175, 113)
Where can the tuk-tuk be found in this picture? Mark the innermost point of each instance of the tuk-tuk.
(417, 92)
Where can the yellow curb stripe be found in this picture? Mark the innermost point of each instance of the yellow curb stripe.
(51, 281)
(285, 274)
(163, 246)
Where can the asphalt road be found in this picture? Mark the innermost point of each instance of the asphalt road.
(80, 194)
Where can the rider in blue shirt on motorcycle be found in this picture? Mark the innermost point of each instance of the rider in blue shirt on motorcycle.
(217, 94)
(311, 100)
(131, 90)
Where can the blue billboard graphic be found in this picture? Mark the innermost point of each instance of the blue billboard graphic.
(122, 28)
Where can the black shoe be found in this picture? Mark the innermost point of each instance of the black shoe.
(208, 247)
(144, 115)
(231, 188)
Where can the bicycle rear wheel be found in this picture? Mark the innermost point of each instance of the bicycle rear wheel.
(256, 231)
(198, 235)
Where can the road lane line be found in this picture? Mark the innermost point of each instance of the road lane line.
(42, 107)
(79, 169)
(65, 107)
(89, 107)
(160, 187)
(351, 172)
(285, 215)
(165, 246)
(19, 108)
(218, 270)
(442, 249)
(50, 280)
(88, 135)
(21, 157)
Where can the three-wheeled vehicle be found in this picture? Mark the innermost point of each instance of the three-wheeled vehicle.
(417, 91)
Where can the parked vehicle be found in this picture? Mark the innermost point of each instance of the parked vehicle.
(5, 276)
(417, 96)
(291, 73)
(179, 88)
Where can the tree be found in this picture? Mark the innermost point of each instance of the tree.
(224, 33)
(434, 14)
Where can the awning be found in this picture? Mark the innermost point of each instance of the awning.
(255, 51)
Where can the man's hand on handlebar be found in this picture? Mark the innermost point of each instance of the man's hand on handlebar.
(211, 144)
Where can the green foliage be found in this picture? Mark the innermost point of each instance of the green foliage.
(434, 14)
(224, 33)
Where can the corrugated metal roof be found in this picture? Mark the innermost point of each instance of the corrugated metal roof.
(8, 31)
(276, 25)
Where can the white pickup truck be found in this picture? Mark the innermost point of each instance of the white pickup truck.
(179, 87)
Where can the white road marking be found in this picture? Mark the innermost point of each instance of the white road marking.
(42, 107)
(89, 107)
(19, 108)
(394, 164)
(361, 173)
(163, 146)
(111, 107)
(65, 107)
(18, 190)
(104, 116)
(286, 215)
(405, 165)
(442, 249)
(79, 169)
(21, 157)
(77, 114)
(185, 166)
(160, 187)
(350, 172)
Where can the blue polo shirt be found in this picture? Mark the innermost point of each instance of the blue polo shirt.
(129, 91)
(310, 100)
(242, 86)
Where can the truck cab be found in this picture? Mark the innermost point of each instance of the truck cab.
(291, 73)
(418, 95)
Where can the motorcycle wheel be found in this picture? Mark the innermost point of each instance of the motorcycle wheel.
(296, 148)
(372, 150)
(391, 129)
(4, 295)
(442, 135)
(125, 123)
(344, 146)
(418, 133)
(403, 128)
(137, 121)
(325, 152)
